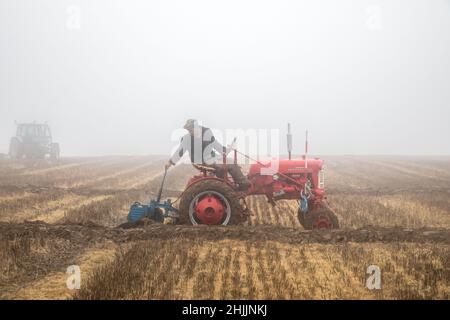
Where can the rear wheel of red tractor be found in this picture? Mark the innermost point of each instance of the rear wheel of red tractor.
(210, 202)
(320, 219)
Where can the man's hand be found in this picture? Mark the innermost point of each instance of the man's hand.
(231, 146)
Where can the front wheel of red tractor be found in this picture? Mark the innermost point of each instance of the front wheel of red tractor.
(320, 219)
(210, 202)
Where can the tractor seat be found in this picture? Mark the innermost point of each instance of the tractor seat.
(204, 168)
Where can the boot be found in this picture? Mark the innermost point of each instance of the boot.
(238, 177)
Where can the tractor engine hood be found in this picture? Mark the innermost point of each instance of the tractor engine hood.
(285, 166)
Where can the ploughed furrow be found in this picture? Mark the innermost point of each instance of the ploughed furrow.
(438, 168)
(176, 179)
(356, 211)
(266, 233)
(422, 174)
(30, 205)
(125, 177)
(46, 211)
(107, 207)
(25, 166)
(416, 213)
(13, 196)
(33, 264)
(108, 210)
(345, 174)
(109, 197)
(67, 163)
(59, 214)
(341, 174)
(73, 176)
(93, 176)
(53, 285)
(10, 168)
(49, 207)
(140, 177)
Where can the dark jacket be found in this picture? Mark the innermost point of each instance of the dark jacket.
(202, 150)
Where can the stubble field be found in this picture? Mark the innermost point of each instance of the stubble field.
(394, 213)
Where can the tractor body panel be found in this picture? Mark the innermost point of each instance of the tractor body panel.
(286, 179)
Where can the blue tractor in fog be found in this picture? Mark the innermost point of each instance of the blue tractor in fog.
(33, 141)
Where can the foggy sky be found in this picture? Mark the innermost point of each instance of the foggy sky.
(364, 77)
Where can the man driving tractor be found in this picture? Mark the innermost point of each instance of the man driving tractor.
(205, 152)
(213, 200)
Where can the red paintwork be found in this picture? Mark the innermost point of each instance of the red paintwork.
(210, 210)
(287, 181)
(199, 177)
(323, 222)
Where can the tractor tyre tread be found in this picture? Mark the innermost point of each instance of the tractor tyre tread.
(213, 185)
(307, 221)
(54, 151)
(15, 149)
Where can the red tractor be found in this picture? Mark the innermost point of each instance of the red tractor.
(211, 200)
